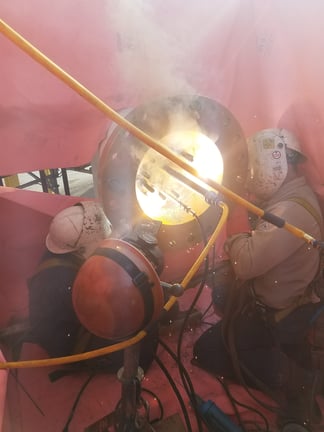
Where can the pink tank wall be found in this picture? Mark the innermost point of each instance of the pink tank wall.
(24, 219)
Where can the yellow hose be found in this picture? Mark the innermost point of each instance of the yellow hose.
(195, 267)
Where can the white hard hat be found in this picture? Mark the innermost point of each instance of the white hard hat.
(290, 141)
(78, 228)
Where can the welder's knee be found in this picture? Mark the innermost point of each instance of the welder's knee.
(210, 354)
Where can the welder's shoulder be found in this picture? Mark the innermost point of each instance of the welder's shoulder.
(54, 271)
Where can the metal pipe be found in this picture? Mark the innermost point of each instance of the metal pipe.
(130, 375)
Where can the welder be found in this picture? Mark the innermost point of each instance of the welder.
(74, 234)
(262, 338)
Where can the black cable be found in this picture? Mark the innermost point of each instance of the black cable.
(183, 373)
(180, 365)
(232, 401)
(212, 270)
(188, 386)
(260, 385)
(159, 403)
(235, 402)
(66, 427)
(127, 426)
(205, 273)
(190, 391)
(14, 374)
(206, 311)
(177, 393)
(227, 391)
(147, 410)
(228, 338)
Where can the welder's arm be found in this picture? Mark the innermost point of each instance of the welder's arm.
(253, 254)
(238, 221)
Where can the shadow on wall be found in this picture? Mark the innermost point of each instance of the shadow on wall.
(305, 120)
(24, 219)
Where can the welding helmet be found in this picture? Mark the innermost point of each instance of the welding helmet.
(270, 151)
(117, 291)
(78, 228)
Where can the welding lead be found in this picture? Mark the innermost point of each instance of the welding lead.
(177, 200)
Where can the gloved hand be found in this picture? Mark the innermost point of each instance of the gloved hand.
(238, 220)
(212, 197)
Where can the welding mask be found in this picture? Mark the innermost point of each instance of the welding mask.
(270, 151)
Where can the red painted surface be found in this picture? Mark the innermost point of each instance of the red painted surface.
(52, 402)
(3, 389)
(24, 219)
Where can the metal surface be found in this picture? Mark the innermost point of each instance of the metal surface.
(121, 155)
(170, 424)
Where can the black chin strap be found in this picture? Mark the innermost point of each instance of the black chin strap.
(139, 279)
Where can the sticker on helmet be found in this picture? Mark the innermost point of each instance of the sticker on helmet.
(276, 154)
(268, 143)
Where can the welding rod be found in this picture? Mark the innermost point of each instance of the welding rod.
(185, 180)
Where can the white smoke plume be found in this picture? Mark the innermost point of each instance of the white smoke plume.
(157, 56)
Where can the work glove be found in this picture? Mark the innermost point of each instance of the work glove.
(212, 197)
